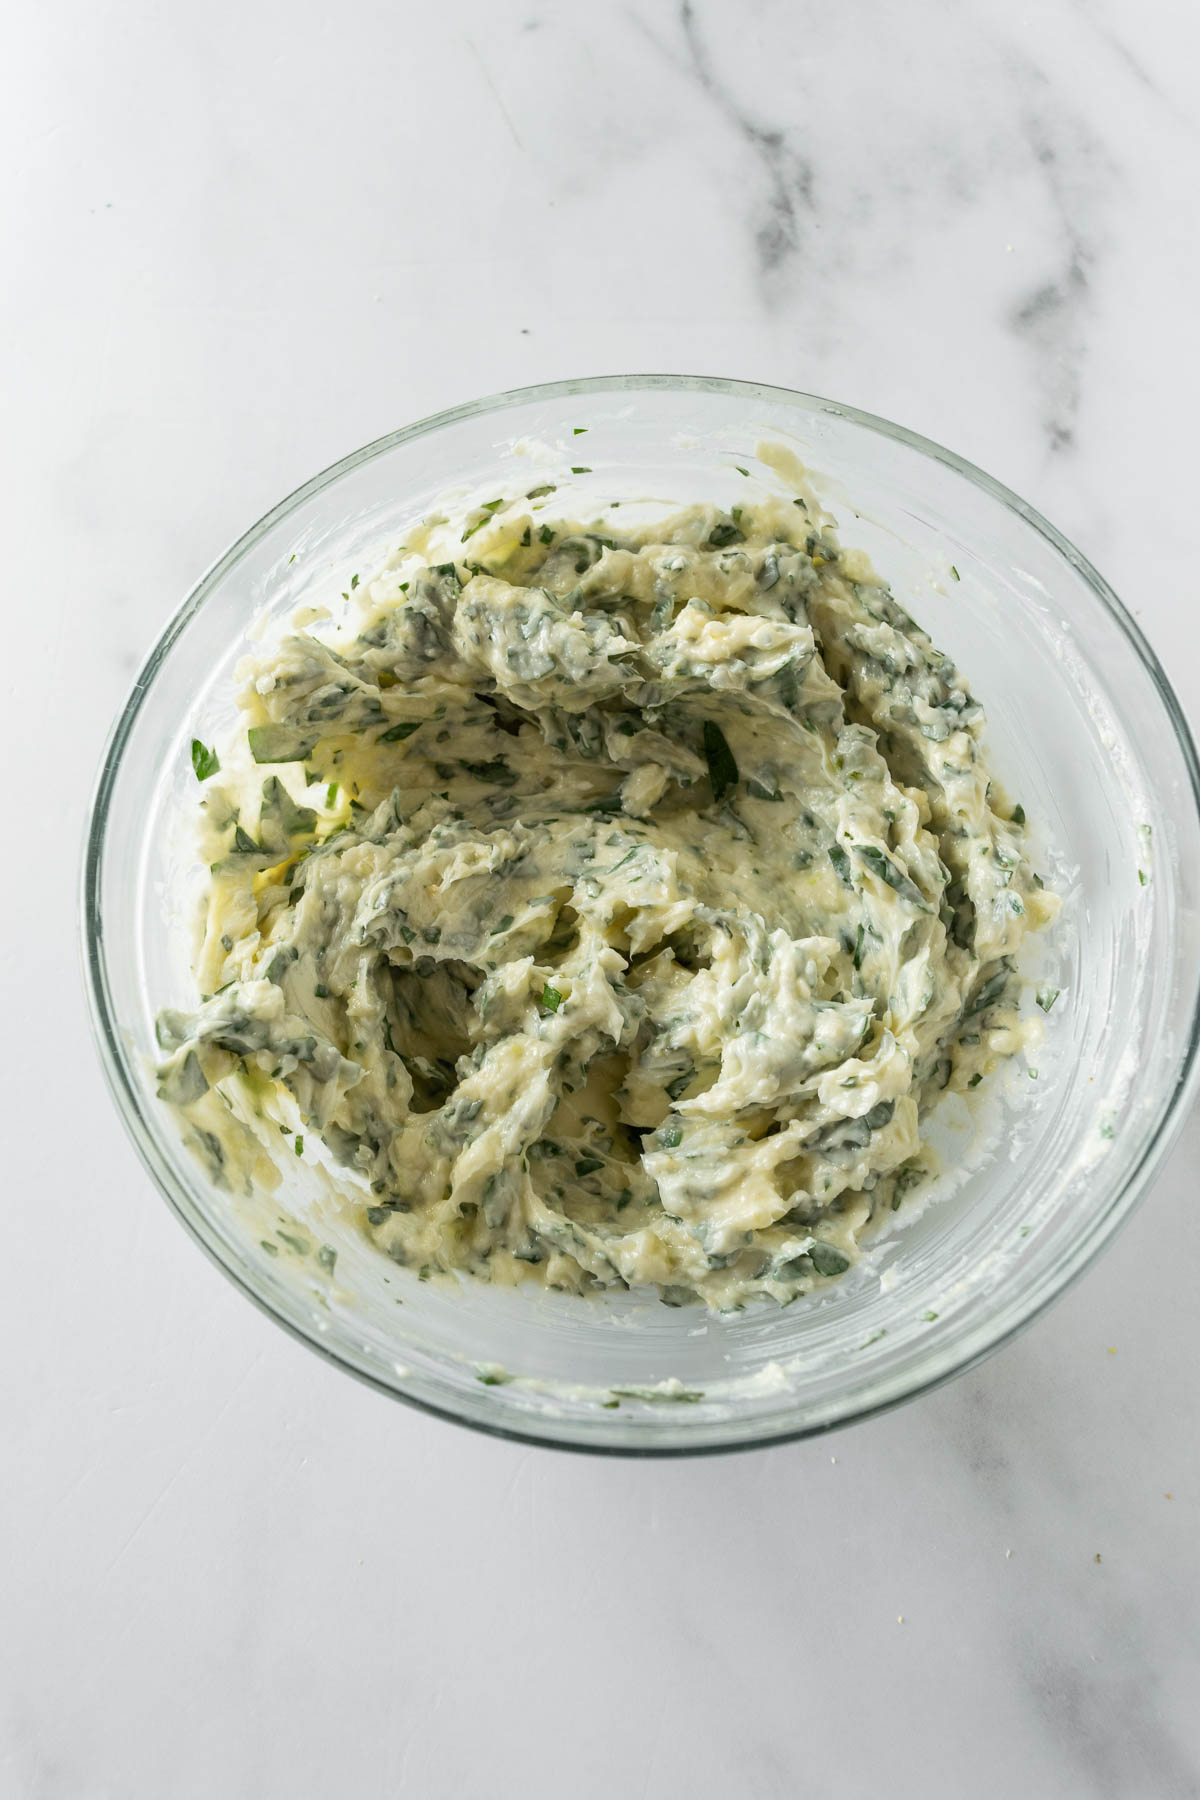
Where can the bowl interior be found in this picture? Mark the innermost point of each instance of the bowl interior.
(1081, 729)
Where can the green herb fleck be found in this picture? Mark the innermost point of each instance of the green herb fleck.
(896, 879)
(988, 993)
(1017, 816)
(722, 766)
(670, 1136)
(1046, 997)
(761, 791)
(841, 862)
(205, 762)
(578, 430)
(298, 1146)
(486, 511)
(396, 734)
(827, 1260)
(539, 493)
(955, 573)
(724, 534)
(580, 469)
(504, 924)
(278, 744)
(928, 1317)
(551, 998)
(546, 535)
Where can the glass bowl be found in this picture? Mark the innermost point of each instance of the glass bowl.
(1083, 728)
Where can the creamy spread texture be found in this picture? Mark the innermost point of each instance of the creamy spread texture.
(614, 905)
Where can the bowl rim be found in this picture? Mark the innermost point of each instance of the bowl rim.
(117, 1064)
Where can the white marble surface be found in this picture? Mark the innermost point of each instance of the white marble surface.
(242, 239)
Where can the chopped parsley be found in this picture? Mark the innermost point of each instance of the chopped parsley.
(205, 762)
(722, 765)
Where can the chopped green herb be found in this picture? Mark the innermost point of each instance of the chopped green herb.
(1018, 815)
(761, 791)
(928, 1317)
(989, 993)
(827, 1260)
(298, 1146)
(205, 762)
(740, 469)
(580, 469)
(546, 535)
(670, 1136)
(841, 862)
(955, 573)
(975, 1080)
(551, 998)
(278, 744)
(896, 879)
(724, 534)
(353, 583)
(538, 493)
(578, 430)
(504, 924)
(722, 766)
(397, 733)
(486, 510)
(1046, 996)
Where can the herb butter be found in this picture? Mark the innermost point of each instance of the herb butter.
(613, 905)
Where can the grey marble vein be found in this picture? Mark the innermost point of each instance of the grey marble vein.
(788, 187)
(786, 201)
(1075, 170)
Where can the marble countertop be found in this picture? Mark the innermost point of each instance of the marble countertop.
(246, 240)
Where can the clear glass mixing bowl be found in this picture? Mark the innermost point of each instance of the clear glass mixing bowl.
(1083, 729)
